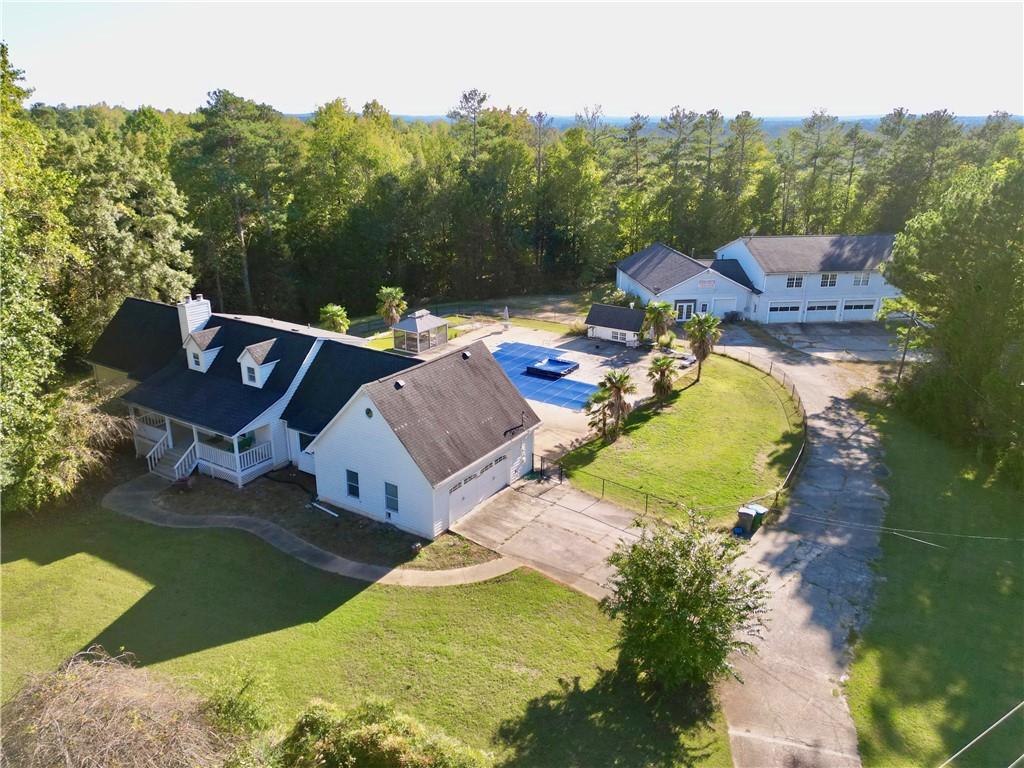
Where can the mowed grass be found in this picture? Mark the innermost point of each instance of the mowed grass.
(516, 666)
(942, 658)
(716, 444)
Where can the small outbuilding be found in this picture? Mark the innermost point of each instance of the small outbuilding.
(420, 331)
(614, 323)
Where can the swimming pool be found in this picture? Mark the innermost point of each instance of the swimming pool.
(514, 357)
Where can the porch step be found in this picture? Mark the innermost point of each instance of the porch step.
(165, 467)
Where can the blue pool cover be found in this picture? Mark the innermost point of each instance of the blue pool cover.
(514, 358)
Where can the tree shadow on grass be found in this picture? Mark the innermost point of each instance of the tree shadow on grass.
(610, 723)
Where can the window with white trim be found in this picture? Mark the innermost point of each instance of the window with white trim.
(795, 281)
(859, 305)
(828, 279)
(821, 307)
(391, 497)
(500, 459)
(196, 361)
(861, 279)
(784, 308)
(352, 481)
(619, 336)
(250, 374)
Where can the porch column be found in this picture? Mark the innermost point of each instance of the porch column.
(238, 462)
(170, 436)
(195, 434)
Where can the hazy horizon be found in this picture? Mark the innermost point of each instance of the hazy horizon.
(777, 60)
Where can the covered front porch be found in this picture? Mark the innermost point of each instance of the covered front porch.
(174, 449)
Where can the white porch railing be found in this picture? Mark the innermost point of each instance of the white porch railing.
(152, 419)
(208, 453)
(255, 455)
(187, 462)
(157, 453)
(149, 432)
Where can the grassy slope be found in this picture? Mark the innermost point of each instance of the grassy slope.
(723, 441)
(512, 665)
(942, 658)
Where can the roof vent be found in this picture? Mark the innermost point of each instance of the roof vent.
(466, 355)
(399, 383)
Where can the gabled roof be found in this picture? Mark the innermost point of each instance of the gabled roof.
(419, 321)
(218, 399)
(659, 267)
(139, 339)
(612, 316)
(283, 325)
(204, 338)
(452, 410)
(732, 269)
(336, 373)
(259, 351)
(820, 253)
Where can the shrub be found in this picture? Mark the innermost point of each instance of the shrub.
(238, 703)
(98, 710)
(683, 607)
(578, 328)
(667, 340)
(620, 298)
(372, 735)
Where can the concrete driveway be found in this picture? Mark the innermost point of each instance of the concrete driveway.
(852, 342)
(563, 533)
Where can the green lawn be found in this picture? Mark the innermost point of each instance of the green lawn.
(943, 656)
(514, 665)
(721, 442)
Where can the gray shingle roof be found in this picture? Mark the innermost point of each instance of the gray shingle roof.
(452, 410)
(820, 253)
(204, 338)
(420, 321)
(659, 267)
(260, 350)
(139, 339)
(218, 399)
(612, 316)
(732, 269)
(336, 373)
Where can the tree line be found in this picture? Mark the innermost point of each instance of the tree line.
(275, 215)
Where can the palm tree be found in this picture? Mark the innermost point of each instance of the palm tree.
(598, 406)
(619, 384)
(334, 317)
(391, 304)
(662, 374)
(657, 318)
(703, 332)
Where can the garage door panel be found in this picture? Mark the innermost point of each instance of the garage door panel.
(821, 311)
(784, 312)
(477, 486)
(858, 309)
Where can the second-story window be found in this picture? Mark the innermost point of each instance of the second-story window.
(250, 374)
(795, 281)
(861, 279)
(828, 280)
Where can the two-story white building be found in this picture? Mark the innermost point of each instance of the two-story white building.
(768, 279)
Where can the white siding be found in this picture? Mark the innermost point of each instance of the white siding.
(811, 293)
(599, 332)
(369, 447)
(737, 249)
(299, 457)
(629, 285)
(715, 286)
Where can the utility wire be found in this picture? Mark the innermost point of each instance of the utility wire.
(981, 735)
(887, 529)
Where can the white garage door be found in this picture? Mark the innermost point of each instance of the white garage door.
(858, 309)
(725, 304)
(821, 311)
(470, 490)
(784, 312)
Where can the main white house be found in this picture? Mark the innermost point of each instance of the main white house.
(769, 279)
(417, 444)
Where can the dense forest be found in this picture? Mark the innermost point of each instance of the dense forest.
(279, 215)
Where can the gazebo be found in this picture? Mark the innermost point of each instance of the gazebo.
(420, 331)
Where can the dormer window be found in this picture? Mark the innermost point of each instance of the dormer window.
(197, 362)
(255, 363)
(201, 348)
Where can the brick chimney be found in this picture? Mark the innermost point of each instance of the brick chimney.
(193, 314)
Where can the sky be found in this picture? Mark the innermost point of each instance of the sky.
(773, 59)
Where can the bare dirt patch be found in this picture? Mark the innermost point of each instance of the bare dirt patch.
(286, 502)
